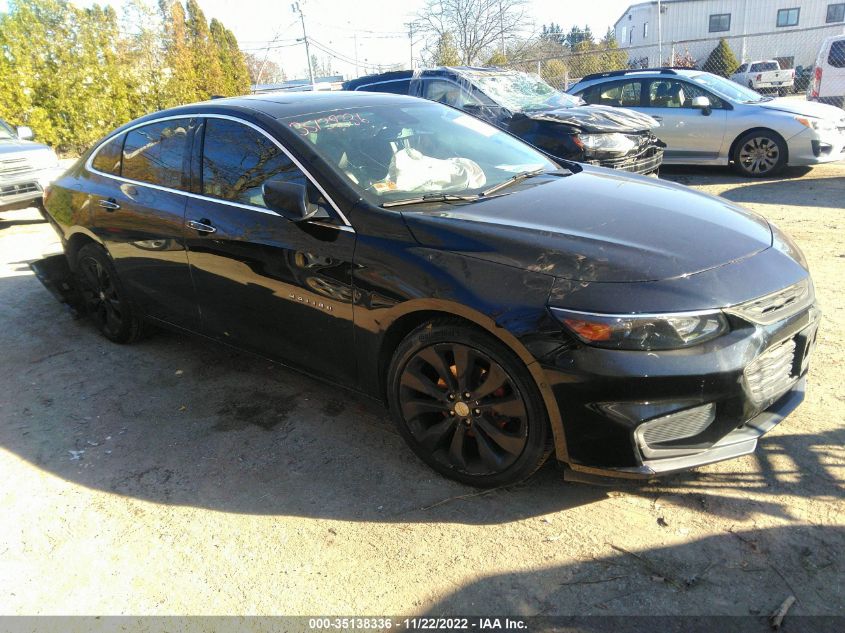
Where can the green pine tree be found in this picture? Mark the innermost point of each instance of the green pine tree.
(210, 80)
(721, 60)
(181, 82)
(446, 53)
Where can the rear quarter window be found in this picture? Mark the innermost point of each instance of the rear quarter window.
(108, 157)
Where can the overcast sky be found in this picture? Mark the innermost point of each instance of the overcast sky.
(378, 26)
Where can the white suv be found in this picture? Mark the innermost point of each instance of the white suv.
(26, 168)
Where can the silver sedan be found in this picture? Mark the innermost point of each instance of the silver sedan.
(708, 120)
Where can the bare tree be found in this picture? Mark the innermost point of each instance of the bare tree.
(477, 27)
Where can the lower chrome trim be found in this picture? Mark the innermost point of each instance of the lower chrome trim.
(737, 443)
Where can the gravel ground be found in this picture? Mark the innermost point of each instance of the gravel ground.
(172, 477)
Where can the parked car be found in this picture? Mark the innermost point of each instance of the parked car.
(503, 305)
(26, 168)
(709, 120)
(531, 109)
(828, 83)
(765, 75)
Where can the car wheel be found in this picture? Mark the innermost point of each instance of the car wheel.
(760, 154)
(104, 297)
(781, 92)
(467, 406)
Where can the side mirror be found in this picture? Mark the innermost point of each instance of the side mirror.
(290, 200)
(702, 103)
(25, 133)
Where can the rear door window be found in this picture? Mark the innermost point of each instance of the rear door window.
(108, 156)
(447, 92)
(156, 154)
(237, 160)
(398, 87)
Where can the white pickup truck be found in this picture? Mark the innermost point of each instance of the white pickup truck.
(765, 75)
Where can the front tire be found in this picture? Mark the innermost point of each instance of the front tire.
(760, 154)
(467, 406)
(104, 297)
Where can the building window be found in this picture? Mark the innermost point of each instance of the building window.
(788, 17)
(720, 22)
(836, 12)
(645, 30)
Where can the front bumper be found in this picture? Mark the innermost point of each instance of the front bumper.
(645, 161)
(813, 148)
(26, 189)
(607, 397)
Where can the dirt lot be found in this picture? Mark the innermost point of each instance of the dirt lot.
(172, 477)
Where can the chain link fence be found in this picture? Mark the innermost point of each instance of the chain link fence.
(737, 57)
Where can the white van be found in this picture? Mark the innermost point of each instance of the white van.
(828, 82)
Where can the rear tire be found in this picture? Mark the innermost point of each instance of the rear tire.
(760, 154)
(467, 406)
(104, 298)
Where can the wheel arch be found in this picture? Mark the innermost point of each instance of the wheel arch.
(416, 314)
(76, 240)
(742, 135)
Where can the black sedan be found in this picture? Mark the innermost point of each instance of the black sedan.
(505, 307)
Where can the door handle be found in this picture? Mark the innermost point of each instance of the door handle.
(201, 226)
(109, 205)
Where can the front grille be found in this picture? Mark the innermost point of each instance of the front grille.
(678, 426)
(645, 162)
(14, 166)
(15, 190)
(771, 374)
(777, 305)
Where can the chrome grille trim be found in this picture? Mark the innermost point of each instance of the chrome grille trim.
(678, 426)
(14, 166)
(15, 190)
(770, 375)
(778, 305)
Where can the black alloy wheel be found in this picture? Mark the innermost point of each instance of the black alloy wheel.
(103, 296)
(467, 406)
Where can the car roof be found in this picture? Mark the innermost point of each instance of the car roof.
(621, 75)
(435, 71)
(287, 104)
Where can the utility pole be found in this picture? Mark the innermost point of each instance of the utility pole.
(411, 39)
(660, 32)
(355, 37)
(295, 8)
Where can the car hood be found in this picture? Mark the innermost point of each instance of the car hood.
(14, 146)
(806, 108)
(596, 225)
(591, 118)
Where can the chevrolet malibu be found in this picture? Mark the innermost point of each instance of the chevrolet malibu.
(505, 307)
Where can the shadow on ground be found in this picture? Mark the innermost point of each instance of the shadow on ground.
(742, 573)
(176, 420)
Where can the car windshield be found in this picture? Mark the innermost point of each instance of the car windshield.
(6, 131)
(518, 91)
(393, 153)
(728, 89)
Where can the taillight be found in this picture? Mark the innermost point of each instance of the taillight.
(760, 77)
(817, 83)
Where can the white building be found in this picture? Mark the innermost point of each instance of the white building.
(788, 30)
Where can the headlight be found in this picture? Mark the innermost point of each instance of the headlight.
(643, 331)
(785, 244)
(819, 125)
(613, 143)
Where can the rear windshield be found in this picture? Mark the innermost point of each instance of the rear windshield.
(764, 67)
